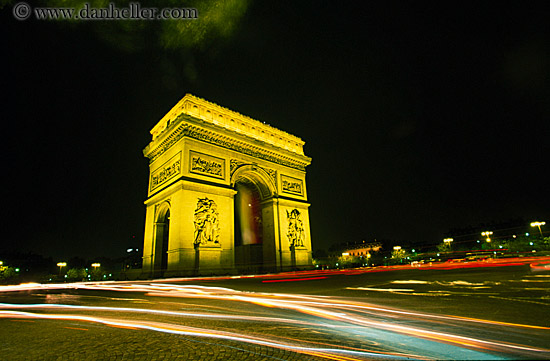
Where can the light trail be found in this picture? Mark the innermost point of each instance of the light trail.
(367, 331)
(294, 279)
(196, 291)
(340, 314)
(153, 311)
(328, 353)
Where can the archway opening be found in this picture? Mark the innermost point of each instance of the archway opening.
(161, 237)
(165, 233)
(248, 227)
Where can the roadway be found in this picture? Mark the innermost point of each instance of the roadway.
(472, 311)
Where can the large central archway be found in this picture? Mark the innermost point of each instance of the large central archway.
(248, 228)
(253, 253)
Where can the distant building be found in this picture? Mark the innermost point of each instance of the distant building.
(362, 249)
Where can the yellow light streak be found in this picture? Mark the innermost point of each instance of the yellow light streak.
(341, 312)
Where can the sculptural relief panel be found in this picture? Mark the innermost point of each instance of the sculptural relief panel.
(206, 223)
(206, 165)
(292, 185)
(165, 172)
(295, 231)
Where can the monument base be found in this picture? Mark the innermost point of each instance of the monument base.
(300, 258)
(207, 259)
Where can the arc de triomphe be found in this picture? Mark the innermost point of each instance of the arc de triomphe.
(227, 194)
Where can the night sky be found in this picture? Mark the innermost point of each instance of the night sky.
(419, 117)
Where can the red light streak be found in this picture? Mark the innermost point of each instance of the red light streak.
(333, 314)
(294, 279)
(76, 328)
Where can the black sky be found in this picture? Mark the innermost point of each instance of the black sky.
(419, 117)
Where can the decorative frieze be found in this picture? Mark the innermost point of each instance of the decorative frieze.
(292, 185)
(206, 165)
(188, 130)
(165, 172)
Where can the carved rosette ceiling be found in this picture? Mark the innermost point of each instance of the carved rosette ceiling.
(189, 130)
(206, 222)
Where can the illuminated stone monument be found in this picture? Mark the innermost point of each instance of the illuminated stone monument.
(227, 194)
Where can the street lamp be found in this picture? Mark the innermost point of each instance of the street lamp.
(96, 265)
(487, 234)
(538, 224)
(398, 253)
(448, 242)
(61, 265)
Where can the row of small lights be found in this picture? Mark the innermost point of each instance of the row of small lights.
(64, 264)
(94, 265)
(486, 234)
(61, 265)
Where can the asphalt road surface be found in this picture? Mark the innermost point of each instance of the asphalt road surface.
(453, 312)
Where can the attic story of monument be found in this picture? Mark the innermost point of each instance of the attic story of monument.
(227, 194)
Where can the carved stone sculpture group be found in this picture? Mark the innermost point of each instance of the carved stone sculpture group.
(295, 232)
(206, 223)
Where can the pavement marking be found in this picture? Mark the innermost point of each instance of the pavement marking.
(466, 293)
(520, 300)
(76, 328)
(427, 294)
(381, 289)
(542, 281)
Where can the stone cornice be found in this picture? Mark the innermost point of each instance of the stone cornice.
(229, 120)
(186, 126)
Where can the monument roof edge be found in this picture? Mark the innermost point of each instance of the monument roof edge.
(179, 108)
(176, 125)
